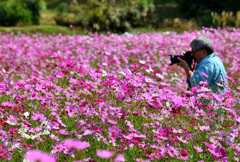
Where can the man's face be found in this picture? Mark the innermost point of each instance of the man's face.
(198, 55)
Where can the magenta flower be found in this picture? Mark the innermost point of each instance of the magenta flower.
(205, 75)
(236, 119)
(12, 120)
(58, 148)
(114, 131)
(172, 151)
(112, 121)
(199, 149)
(206, 128)
(158, 153)
(105, 154)
(182, 140)
(184, 153)
(60, 75)
(75, 144)
(38, 156)
(38, 116)
(119, 158)
(211, 146)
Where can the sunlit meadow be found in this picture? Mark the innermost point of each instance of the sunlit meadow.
(114, 98)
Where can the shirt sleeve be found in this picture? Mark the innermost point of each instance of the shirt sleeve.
(203, 73)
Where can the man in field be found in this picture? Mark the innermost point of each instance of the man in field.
(209, 68)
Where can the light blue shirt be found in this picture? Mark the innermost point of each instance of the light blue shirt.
(215, 72)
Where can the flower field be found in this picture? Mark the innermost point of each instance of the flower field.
(114, 98)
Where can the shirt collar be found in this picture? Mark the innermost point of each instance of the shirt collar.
(204, 59)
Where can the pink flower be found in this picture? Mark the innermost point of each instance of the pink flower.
(158, 153)
(112, 121)
(60, 75)
(119, 158)
(203, 83)
(236, 119)
(38, 156)
(38, 116)
(12, 120)
(206, 128)
(211, 146)
(105, 154)
(205, 75)
(75, 144)
(199, 149)
(58, 148)
(182, 140)
(184, 153)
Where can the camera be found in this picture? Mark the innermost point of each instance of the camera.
(188, 57)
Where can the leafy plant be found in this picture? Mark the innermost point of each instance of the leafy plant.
(25, 11)
(117, 16)
(11, 14)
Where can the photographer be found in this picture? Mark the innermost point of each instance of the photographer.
(209, 67)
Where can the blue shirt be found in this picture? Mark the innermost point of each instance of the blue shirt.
(210, 69)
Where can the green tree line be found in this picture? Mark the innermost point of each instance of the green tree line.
(121, 15)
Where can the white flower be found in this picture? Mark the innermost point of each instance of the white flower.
(155, 94)
(32, 136)
(24, 135)
(142, 62)
(104, 64)
(149, 70)
(123, 73)
(107, 53)
(22, 130)
(16, 145)
(4, 71)
(104, 73)
(55, 127)
(11, 122)
(160, 76)
(87, 132)
(129, 71)
(44, 123)
(45, 132)
(24, 160)
(26, 114)
(167, 104)
(148, 80)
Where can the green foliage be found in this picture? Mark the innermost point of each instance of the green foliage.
(113, 16)
(11, 14)
(62, 8)
(35, 6)
(25, 11)
(226, 19)
(201, 10)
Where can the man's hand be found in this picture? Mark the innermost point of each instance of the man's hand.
(182, 63)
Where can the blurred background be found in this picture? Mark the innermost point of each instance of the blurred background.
(118, 16)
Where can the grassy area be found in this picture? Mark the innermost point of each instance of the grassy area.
(46, 29)
(50, 29)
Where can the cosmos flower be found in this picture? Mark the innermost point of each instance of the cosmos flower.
(38, 156)
(112, 121)
(184, 153)
(105, 154)
(75, 144)
(199, 149)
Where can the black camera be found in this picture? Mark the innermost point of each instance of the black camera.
(188, 57)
